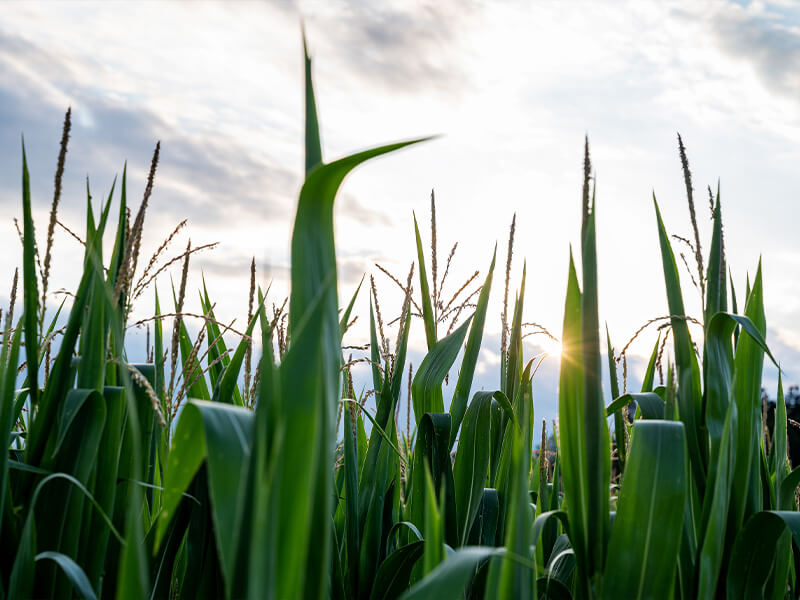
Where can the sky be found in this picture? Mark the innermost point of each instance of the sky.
(510, 88)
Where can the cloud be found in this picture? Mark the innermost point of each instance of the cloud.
(407, 47)
(351, 207)
(768, 38)
(207, 178)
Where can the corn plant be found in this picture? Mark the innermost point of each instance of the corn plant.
(179, 478)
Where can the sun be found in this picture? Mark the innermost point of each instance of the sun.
(551, 346)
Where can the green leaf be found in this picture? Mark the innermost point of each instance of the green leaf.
(301, 418)
(484, 526)
(192, 369)
(73, 572)
(753, 554)
(223, 436)
(650, 404)
(433, 529)
(61, 523)
(643, 550)
(649, 374)
(95, 535)
(619, 421)
(514, 361)
(120, 240)
(428, 316)
(748, 366)
(598, 450)
(433, 439)
(185, 457)
(450, 577)
(400, 362)
(346, 314)
(394, 573)
(9, 358)
(471, 466)
(426, 388)
(353, 532)
(545, 519)
(458, 405)
(313, 145)
(788, 487)
(373, 489)
(229, 438)
(715, 511)
(313, 272)
(20, 583)
(690, 398)
(226, 390)
(572, 425)
(716, 295)
(259, 562)
(376, 428)
(375, 351)
(158, 349)
(510, 579)
(217, 352)
(29, 284)
(779, 447)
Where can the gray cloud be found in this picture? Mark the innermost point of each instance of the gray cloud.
(405, 47)
(353, 208)
(203, 177)
(206, 178)
(770, 41)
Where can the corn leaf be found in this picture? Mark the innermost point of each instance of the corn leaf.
(458, 405)
(753, 552)
(29, 284)
(426, 388)
(689, 393)
(643, 550)
(471, 465)
(393, 576)
(450, 577)
(649, 403)
(73, 572)
(596, 439)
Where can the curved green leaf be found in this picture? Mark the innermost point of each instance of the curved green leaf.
(650, 404)
(393, 575)
(73, 572)
(449, 579)
(643, 550)
(426, 388)
(222, 435)
(753, 553)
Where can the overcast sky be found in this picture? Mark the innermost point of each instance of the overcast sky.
(512, 86)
